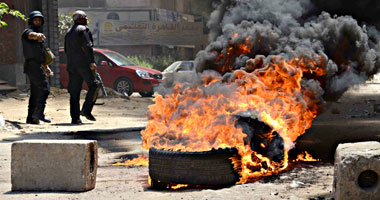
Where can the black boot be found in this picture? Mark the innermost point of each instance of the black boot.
(44, 119)
(76, 122)
(31, 120)
(88, 116)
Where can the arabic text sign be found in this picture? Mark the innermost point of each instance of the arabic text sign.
(148, 33)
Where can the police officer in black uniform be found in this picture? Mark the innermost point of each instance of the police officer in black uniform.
(80, 66)
(32, 40)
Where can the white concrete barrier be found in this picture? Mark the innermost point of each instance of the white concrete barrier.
(54, 165)
(357, 171)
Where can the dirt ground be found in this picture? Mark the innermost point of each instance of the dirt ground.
(118, 126)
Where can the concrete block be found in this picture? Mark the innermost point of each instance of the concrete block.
(357, 171)
(54, 165)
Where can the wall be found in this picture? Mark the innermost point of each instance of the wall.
(128, 3)
(8, 41)
(50, 29)
(11, 68)
(183, 6)
(81, 3)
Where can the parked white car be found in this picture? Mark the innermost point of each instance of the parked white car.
(179, 71)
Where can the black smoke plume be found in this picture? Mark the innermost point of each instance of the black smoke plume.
(350, 50)
(365, 11)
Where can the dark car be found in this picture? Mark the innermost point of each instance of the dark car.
(118, 72)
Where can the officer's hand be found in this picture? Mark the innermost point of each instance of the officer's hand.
(48, 71)
(40, 37)
(93, 66)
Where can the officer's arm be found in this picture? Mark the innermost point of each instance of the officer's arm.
(87, 46)
(36, 36)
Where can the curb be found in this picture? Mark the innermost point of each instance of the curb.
(106, 131)
(84, 133)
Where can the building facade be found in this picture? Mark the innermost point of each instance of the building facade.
(11, 56)
(144, 27)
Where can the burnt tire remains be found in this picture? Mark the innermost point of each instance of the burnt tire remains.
(209, 168)
(146, 94)
(261, 138)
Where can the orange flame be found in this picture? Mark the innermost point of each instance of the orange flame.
(201, 116)
(306, 157)
(142, 160)
(233, 50)
(171, 185)
(178, 186)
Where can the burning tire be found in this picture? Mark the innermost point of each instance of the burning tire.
(210, 168)
(261, 137)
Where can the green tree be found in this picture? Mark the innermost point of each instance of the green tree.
(4, 10)
(65, 21)
(202, 8)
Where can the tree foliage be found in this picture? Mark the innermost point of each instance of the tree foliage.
(159, 63)
(65, 21)
(4, 10)
(203, 8)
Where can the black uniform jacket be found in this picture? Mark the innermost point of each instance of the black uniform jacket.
(32, 49)
(78, 47)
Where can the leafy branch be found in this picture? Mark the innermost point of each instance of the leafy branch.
(4, 10)
(65, 21)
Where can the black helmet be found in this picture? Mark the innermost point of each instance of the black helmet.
(79, 14)
(34, 14)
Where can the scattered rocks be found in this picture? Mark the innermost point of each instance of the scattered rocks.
(296, 184)
(274, 193)
(2, 121)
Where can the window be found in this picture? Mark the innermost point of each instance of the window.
(113, 16)
(99, 58)
(185, 66)
(119, 59)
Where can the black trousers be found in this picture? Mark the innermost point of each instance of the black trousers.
(76, 76)
(39, 89)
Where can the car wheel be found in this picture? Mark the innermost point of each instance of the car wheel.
(209, 168)
(123, 85)
(146, 94)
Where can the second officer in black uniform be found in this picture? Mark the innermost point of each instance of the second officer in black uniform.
(80, 66)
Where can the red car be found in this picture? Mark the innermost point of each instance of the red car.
(118, 72)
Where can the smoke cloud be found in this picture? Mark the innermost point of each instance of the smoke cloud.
(350, 51)
(366, 11)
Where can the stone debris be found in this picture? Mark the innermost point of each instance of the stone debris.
(41, 165)
(296, 184)
(2, 121)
